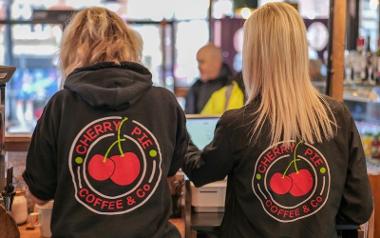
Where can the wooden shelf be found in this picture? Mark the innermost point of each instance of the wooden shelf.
(25, 233)
(17, 142)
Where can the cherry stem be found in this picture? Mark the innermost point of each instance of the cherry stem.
(295, 156)
(110, 148)
(119, 140)
(287, 168)
(294, 160)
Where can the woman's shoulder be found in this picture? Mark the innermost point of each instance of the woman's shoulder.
(333, 103)
(338, 108)
(161, 98)
(231, 115)
(162, 94)
(236, 118)
(59, 97)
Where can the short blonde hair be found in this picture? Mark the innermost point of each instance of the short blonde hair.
(97, 35)
(276, 71)
(212, 51)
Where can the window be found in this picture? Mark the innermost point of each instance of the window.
(33, 50)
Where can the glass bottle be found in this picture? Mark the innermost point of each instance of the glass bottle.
(19, 208)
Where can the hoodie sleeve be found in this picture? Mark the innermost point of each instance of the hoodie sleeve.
(214, 162)
(190, 101)
(41, 170)
(181, 142)
(356, 204)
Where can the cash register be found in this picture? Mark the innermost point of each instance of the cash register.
(210, 197)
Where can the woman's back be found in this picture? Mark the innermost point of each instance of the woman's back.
(107, 141)
(300, 190)
(294, 158)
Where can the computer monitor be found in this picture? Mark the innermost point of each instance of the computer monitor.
(201, 129)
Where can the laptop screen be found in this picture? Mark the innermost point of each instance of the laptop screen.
(201, 129)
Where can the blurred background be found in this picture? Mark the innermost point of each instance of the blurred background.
(173, 31)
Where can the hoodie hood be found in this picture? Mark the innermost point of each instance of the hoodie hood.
(110, 85)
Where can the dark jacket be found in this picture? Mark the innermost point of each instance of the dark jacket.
(103, 149)
(200, 92)
(238, 78)
(277, 191)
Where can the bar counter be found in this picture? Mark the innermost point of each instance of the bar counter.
(24, 233)
(20, 144)
(375, 186)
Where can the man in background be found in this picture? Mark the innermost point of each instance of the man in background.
(214, 75)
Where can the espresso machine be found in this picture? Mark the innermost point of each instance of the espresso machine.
(6, 187)
(7, 192)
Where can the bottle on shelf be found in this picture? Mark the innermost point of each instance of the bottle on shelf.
(348, 69)
(369, 67)
(367, 139)
(358, 61)
(19, 208)
(376, 147)
(378, 63)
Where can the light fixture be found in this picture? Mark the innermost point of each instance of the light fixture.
(245, 12)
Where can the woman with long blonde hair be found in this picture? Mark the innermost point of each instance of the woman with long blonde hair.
(108, 140)
(293, 157)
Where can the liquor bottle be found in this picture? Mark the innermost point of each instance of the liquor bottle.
(369, 63)
(359, 61)
(376, 147)
(367, 139)
(378, 62)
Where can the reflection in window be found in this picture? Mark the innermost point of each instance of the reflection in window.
(34, 48)
(2, 10)
(369, 21)
(191, 36)
(152, 54)
(148, 9)
(222, 8)
(37, 77)
(2, 45)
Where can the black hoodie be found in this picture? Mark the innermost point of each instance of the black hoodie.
(103, 149)
(280, 191)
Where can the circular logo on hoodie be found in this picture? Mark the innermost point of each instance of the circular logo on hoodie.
(115, 164)
(291, 180)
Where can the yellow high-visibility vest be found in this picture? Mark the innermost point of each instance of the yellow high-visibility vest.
(227, 98)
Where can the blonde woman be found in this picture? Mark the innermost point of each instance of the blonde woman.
(107, 141)
(293, 157)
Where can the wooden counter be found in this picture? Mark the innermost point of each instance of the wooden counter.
(17, 142)
(21, 143)
(375, 186)
(179, 223)
(24, 233)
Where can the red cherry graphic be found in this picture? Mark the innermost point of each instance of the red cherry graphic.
(127, 168)
(280, 184)
(298, 183)
(302, 182)
(99, 168)
(122, 169)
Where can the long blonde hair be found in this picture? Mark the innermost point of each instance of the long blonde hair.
(96, 35)
(276, 71)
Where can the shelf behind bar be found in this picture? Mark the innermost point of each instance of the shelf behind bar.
(17, 142)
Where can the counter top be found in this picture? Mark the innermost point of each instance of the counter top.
(25, 233)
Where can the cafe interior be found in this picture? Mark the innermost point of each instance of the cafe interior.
(344, 53)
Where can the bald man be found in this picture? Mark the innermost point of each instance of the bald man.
(213, 76)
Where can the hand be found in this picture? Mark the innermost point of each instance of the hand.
(35, 199)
